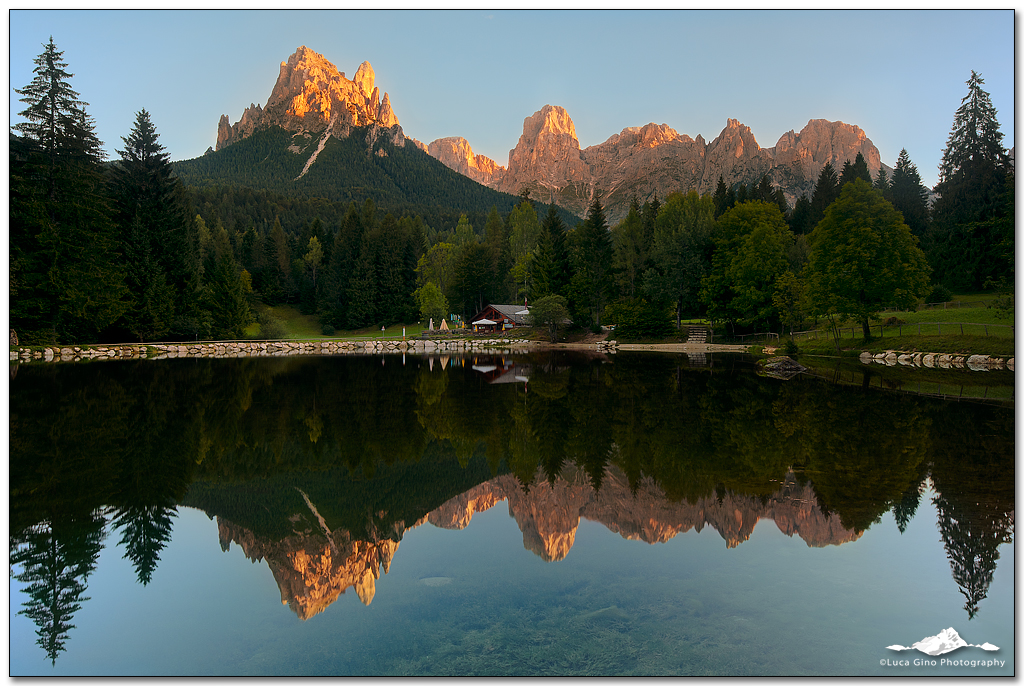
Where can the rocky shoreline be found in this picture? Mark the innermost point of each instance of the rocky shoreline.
(977, 363)
(283, 348)
(278, 348)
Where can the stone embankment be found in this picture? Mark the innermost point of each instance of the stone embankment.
(261, 349)
(978, 363)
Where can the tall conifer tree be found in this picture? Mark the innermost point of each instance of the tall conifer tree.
(856, 170)
(908, 195)
(826, 190)
(158, 241)
(64, 223)
(972, 203)
(594, 253)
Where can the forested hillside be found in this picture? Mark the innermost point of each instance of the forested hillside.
(399, 179)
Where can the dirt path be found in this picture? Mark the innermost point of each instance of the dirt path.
(651, 347)
(685, 347)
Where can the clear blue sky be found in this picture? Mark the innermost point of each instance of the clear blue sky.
(899, 75)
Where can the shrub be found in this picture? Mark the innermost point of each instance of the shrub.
(1003, 306)
(790, 347)
(327, 330)
(939, 294)
(270, 326)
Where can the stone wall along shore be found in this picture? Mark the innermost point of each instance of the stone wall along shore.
(977, 363)
(224, 349)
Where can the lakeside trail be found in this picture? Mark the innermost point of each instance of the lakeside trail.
(653, 347)
(591, 340)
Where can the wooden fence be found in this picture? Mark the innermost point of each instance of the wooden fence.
(920, 328)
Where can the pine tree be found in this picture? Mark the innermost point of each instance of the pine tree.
(882, 184)
(721, 197)
(158, 241)
(826, 190)
(681, 252)
(594, 252)
(341, 267)
(800, 218)
(552, 259)
(51, 100)
(908, 195)
(56, 558)
(77, 284)
(649, 213)
(499, 261)
(971, 195)
(857, 170)
(630, 252)
(974, 149)
(226, 297)
(361, 307)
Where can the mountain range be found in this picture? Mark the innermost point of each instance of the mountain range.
(654, 160)
(315, 102)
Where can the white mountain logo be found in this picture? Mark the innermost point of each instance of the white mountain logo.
(947, 641)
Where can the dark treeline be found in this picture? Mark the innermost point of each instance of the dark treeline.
(125, 250)
(112, 449)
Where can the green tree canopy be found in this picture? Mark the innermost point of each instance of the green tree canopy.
(630, 250)
(682, 250)
(751, 243)
(863, 258)
(551, 312)
(432, 303)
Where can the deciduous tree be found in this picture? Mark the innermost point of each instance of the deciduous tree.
(863, 258)
(751, 243)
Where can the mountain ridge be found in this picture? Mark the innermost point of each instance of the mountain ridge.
(656, 160)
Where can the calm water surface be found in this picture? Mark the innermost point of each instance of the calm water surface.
(555, 515)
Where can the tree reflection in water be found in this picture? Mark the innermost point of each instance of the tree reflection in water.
(377, 448)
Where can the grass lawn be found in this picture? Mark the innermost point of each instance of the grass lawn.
(966, 330)
(306, 327)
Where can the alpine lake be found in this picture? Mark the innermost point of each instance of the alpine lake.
(550, 513)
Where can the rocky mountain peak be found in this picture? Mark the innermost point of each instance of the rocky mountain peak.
(311, 95)
(547, 157)
(364, 78)
(550, 119)
(652, 135)
(456, 153)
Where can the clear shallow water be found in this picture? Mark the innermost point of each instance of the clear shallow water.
(603, 603)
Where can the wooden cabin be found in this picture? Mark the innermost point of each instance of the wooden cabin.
(499, 318)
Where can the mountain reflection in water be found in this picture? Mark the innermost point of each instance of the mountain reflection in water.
(319, 466)
(313, 570)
